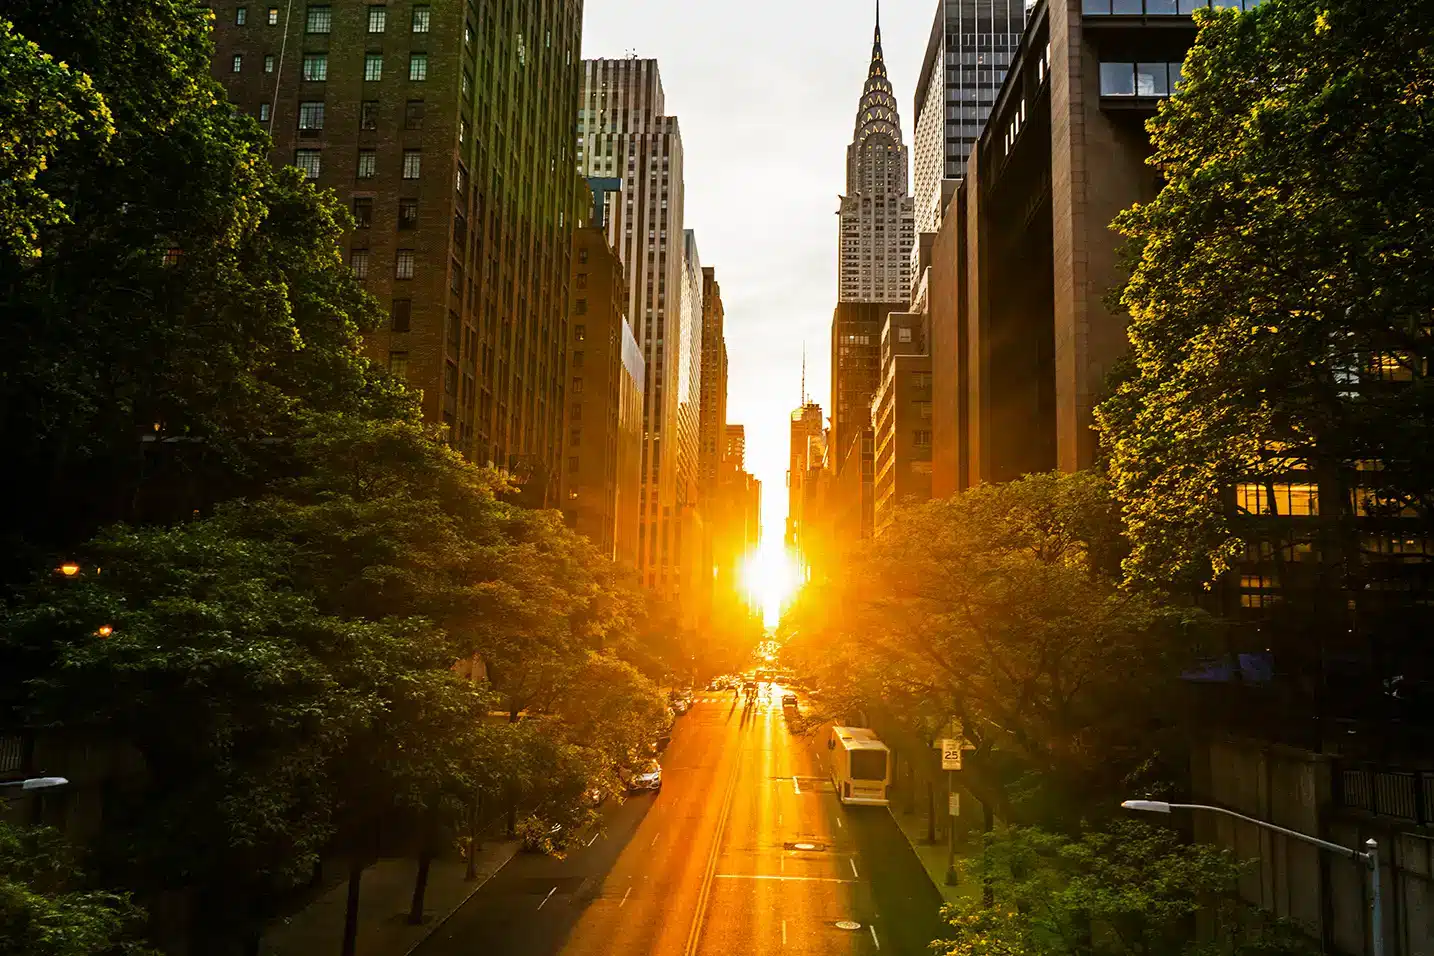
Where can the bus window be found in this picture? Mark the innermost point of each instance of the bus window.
(868, 765)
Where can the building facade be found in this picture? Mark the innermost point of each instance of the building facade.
(807, 441)
(446, 129)
(856, 365)
(605, 408)
(877, 226)
(901, 418)
(971, 45)
(624, 132)
(712, 445)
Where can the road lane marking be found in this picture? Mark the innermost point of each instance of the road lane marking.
(784, 932)
(873, 935)
(594, 839)
(839, 823)
(787, 879)
(796, 786)
(853, 869)
(704, 894)
(654, 839)
(624, 897)
(548, 897)
(783, 861)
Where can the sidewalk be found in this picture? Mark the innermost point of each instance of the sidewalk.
(385, 893)
(932, 856)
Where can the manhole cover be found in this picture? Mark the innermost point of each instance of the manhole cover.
(848, 924)
(804, 846)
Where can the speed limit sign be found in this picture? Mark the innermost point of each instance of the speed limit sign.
(951, 753)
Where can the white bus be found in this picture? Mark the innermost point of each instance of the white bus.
(860, 766)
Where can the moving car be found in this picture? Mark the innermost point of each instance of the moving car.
(647, 777)
(789, 701)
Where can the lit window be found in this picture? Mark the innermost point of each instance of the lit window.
(308, 161)
(403, 265)
(367, 163)
(467, 83)
(319, 20)
(358, 263)
(1151, 79)
(241, 16)
(418, 66)
(263, 112)
(377, 19)
(311, 116)
(273, 16)
(580, 333)
(398, 364)
(373, 67)
(460, 181)
(412, 163)
(237, 64)
(172, 256)
(462, 131)
(420, 19)
(269, 63)
(316, 66)
(577, 386)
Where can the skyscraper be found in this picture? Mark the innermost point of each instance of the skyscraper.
(624, 132)
(714, 428)
(449, 138)
(877, 218)
(966, 61)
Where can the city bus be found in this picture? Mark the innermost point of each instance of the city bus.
(860, 766)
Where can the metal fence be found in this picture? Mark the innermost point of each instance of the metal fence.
(1404, 795)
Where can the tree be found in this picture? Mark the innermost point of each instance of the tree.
(47, 105)
(997, 607)
(1281, 329)
(1132, 890)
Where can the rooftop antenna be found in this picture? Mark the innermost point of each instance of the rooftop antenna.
(804, 374)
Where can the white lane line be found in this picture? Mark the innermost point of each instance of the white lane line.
(796, 786)
(786, 879)
(624, 897)
(853, 869)
(594, 839)
(873, 935)
(654, 839)
(839, 823)
(548, 897)
(784, 932)
(783, 861)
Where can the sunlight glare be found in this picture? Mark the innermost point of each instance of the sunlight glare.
(771, 578)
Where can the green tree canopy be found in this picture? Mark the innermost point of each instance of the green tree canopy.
(1280, 303)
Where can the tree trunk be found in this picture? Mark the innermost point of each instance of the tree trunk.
(420, 886)
(930, 811)
(350, 943)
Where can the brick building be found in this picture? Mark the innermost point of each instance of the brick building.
(901, 418)
(446, 129)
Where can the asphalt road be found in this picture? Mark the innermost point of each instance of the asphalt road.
(744, 851)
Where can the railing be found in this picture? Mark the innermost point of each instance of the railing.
(12, 753)
(1403, 795)
(1159, 8)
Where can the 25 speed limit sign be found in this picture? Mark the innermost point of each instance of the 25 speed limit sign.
(951, 753)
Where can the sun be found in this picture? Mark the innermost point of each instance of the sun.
(771, 577)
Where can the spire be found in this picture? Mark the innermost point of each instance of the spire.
(878, 23)
(804, 367)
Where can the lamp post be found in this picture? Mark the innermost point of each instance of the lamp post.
(35, 783)
(1370, 855)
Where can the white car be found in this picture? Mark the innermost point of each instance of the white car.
(649, 777)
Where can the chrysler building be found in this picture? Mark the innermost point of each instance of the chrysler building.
(878, 221)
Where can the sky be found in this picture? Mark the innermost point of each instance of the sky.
(766, 92)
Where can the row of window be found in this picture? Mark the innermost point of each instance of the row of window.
(316, 67)
(1140, 79)
(1160, 8)
(311, 162)
(320, 18)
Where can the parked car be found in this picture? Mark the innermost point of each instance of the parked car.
(789, 701)
(648, 776)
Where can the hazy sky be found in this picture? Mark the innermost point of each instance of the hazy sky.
(766, 92)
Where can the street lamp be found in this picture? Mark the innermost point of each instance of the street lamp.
(35, 783)
(1370, 855)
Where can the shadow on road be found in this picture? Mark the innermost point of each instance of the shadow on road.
(909, 905)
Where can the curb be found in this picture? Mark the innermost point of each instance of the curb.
(478, 885)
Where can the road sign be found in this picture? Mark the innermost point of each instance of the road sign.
(951, 753)
(953, 804)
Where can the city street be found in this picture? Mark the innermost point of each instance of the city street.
(745, 850)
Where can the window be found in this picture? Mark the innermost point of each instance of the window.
(268, 63)
(308, 161)
(358, 263)
(398, 364)
(467, 83)
(921, 438)
(420, 19)
(577, 360)
(372, 67)
(237, 64)
(319, 20)
(172, 255)
(263, 112)
(408, 214)
(1117, 79)
(363, 213)
(368, 114)
(403, 265)
(400, 314)
(580, 333)
(903, 335)
(450, 379)
(580, 307)
(413, 115)
(316, 67)
(577, 414)
(377, 19)
(460, 180)
(412, 163)
(367, 163)
(418, 66)
(462, 131)
(1151, 79)
(273, 16)
(572, 464)
(311, 116)
(241, 16)
(577, 386)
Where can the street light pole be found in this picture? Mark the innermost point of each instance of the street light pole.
(1370, 855)
(35, 783)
